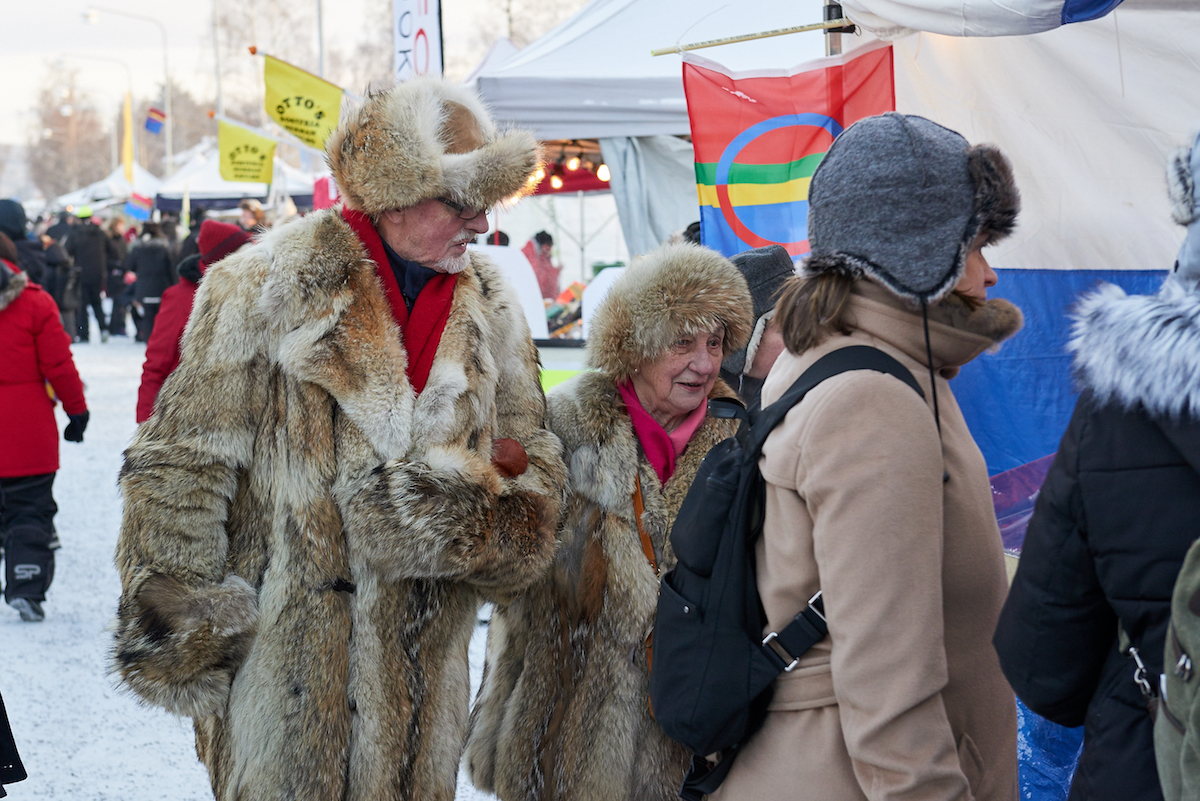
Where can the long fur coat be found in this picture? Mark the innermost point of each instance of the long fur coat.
(306, 540)
(563, 710)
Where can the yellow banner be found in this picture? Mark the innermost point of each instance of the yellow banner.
(245, 156)
(302, 103)
(127, 140)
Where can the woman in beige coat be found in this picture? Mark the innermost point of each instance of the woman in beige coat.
(880, 498)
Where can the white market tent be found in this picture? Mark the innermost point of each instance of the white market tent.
(200, 177)
(113, 188)
(1087, 112)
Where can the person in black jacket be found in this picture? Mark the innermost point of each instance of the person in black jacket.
(91, 249)
(151, 260)
(1115, 517)
(11, 769)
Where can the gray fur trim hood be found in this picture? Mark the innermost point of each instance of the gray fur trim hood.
(1141, 350)
(674, 290)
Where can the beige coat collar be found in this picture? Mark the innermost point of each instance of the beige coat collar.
(957, 334)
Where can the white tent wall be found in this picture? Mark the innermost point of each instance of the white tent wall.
(654, 186)
(565, 216)
(1087, 113)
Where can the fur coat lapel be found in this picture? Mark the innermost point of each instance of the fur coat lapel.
(1141, 349)
(336, 330)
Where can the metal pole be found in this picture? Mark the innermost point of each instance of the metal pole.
(217, 59)
(320, 43)
(169, 167)
(582, 238)
(833, 40)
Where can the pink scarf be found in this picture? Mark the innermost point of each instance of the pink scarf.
(660, 447)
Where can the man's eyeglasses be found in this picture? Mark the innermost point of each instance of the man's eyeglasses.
(463, 212)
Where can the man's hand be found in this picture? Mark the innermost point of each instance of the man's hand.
(75, 428)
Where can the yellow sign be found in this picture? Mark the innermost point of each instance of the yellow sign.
(127, 139)
(245, 156)
(302, 103)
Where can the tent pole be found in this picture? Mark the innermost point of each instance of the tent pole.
(582, 238)
(749, 37)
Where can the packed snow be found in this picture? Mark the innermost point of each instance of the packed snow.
(79, 735)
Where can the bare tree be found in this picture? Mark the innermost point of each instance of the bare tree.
(368, 65)
(69, 145)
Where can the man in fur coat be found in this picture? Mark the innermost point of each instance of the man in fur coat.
(349, 458)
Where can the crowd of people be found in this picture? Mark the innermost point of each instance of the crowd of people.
(349, 451)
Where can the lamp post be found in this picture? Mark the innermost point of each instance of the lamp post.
(92, 15)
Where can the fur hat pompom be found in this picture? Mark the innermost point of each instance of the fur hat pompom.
(672, 291)
(426, 138)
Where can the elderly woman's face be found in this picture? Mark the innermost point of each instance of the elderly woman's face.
(674, 384)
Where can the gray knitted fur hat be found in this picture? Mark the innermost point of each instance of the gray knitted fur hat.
(674, 290)
(900, 199)
(427, 138)
(765, 270)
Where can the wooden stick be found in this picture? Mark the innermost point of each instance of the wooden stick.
(816, 26)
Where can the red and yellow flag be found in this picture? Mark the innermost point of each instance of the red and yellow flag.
(759, 137)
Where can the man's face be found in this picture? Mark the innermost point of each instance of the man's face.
(431, 234)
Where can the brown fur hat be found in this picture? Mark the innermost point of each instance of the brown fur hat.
(427, 138)
(675, 290)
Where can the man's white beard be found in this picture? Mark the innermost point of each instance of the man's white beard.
(452, 265)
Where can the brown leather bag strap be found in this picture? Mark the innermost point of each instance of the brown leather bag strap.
(639, 507)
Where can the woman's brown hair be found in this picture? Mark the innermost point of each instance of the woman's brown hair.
(810, 309)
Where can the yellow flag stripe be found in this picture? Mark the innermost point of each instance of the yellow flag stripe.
(757, 194)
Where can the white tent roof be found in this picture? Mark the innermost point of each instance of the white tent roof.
(114, 187)
(201, 177)
(593, 76)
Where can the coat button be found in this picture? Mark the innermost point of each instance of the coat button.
(686, 609)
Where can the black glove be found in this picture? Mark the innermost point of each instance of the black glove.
(74, 432)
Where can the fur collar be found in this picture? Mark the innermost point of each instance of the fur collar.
(1141, 349)
(13, 287)
(600, 448)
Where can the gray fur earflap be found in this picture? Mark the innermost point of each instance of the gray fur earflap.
(672, 291)
(426, 138)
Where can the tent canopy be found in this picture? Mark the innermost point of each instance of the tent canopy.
(201, 178)
(113, 187)
(593, 76)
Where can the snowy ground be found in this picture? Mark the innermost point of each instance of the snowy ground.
(79, 737)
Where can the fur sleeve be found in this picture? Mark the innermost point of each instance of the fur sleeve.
(183, 625)
(521, 545)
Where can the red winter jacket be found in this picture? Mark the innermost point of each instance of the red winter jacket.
(162, 351)
(34, 349)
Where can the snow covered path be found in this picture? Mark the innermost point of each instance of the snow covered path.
(79, 736)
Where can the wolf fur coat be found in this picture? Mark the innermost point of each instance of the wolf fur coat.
(306, 541)
(563, 709)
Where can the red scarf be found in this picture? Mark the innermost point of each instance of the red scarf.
(660, 447)
(422, 329)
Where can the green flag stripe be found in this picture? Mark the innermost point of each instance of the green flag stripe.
(706, 173)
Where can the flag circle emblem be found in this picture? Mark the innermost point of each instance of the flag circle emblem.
(729, 156)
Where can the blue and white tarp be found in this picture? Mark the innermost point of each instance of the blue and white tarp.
(890, 18)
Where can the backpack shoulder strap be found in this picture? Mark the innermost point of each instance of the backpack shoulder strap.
(855, 357)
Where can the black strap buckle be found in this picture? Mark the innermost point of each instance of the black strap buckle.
(784, 648)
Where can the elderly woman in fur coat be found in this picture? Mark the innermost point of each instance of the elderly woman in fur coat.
(1114, 519)
(879, 497)
(563, 711)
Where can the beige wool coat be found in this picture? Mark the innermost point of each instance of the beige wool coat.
(306, 540)
(563, 711)
(904, 699)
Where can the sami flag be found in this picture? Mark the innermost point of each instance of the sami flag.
(759, 137)
(154, 120)
(139, 206)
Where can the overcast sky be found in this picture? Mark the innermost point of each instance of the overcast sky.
(37, 32)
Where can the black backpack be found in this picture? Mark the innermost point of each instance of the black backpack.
(713, 673)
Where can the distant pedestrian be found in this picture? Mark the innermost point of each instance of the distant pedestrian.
(217, 240)
(537, 250)
(253, 218)
(150, 260)
(35, 363)
(59, 230)
(766, 269)
(91, 249)
(190, 245)
(30, 252)
(115, 285)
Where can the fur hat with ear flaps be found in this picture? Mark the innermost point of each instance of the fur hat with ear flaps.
(672, 291)
(427, 138)
(900, 199)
